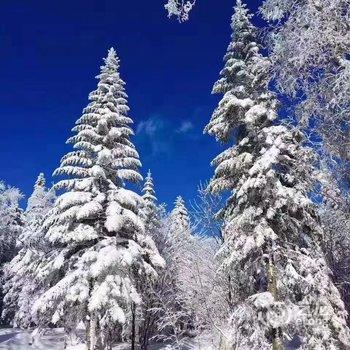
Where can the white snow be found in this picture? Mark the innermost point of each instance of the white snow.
(53, 339)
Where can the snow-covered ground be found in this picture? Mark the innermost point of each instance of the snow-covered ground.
(53, 339)
(14, 339)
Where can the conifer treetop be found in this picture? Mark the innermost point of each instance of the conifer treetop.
(149, 194)
(40, 200)
(179, 218)
(102, 140)
(150, 209)
(244, 69)
(40, 181)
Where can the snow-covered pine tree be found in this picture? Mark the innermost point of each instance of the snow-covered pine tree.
(235, 78)
(98, 244)
(21, 288)
(335, 217)
(150, 209)
(11, 222)
(271, 231)
(39, 203)
(179, 218)
(336, 223)
(152, 219)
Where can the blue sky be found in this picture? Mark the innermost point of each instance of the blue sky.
(50, 52)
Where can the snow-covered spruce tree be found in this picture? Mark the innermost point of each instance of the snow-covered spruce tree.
(152, 219)
(271, 231)
(11, 222)
(98, 245)
(165, 312)
(21, 288)
(336, 224)
(335, 218)
(150, 208)
(179, 219)
(39, 203)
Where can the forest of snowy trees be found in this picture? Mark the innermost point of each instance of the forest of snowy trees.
(259, 260)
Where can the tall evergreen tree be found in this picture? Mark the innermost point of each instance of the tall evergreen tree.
(271, 232)
(98, 245)
(21, 287)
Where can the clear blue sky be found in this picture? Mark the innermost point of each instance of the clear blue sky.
(50, 51)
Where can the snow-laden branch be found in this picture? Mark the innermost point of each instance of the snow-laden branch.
(179, 9)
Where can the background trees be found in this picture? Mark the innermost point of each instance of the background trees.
(21, 287)
(313, 70)
(11, 221)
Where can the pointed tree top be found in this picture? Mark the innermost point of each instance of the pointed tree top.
(180, 207)
(112, 54)
(148, 189)
(237, 76)
(180, 221)
(149, 179)
(40, 181)
(111, 61)
(40, 200)
(241, 16)
(179, 201)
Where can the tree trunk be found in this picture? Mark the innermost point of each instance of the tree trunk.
(230, 294)
(272, 287)
(146, 329)
(92, 333)
(133, 327)
(71, 335)
(87, 334)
